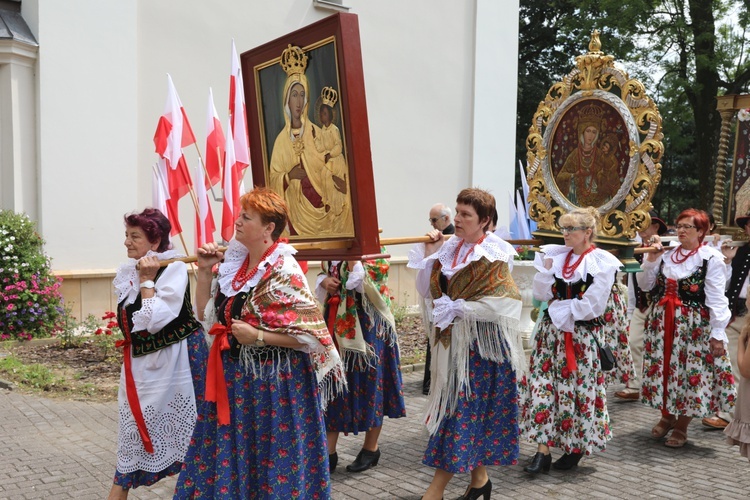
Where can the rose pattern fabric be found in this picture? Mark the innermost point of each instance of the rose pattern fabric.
(560, 408)
(699, 384)
(615, 331)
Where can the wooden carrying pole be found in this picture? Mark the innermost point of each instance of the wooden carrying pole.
(336, 244)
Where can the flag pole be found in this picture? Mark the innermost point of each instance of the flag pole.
(205, 172)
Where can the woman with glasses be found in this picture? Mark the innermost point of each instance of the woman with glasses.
(686, 369)
(564, 399)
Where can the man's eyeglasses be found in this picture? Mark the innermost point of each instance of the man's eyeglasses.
(434, 219)
(685, 226)
(570, 229)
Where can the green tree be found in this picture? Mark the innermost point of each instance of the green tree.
(685, 51)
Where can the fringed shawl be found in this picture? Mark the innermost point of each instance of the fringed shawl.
(376, 303)
(281, 302)
(490, 321)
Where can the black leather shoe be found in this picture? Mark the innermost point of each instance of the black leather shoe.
(365, 460)
(567, 461)
(539, 463)
(333, 461)
(474, 493)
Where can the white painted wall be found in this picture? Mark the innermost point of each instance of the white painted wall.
(102, 86)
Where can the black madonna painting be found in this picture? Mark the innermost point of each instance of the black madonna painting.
(589, 153)
(302, 132)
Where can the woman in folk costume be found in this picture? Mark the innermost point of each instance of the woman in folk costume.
(357, 309)
(564, 396)
(472, 409)
(686, 369)
(615, 333)
(271, 370)
(297, 170)
(164, 353)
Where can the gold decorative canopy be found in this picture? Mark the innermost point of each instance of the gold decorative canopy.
(595, 140)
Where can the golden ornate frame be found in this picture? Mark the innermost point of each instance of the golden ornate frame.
(597, 79)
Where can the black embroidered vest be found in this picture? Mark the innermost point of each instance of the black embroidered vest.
(690, 289)
(144, 342)
(740, 268)
(562, 290)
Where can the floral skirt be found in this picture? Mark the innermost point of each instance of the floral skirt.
(560, 408)
(373, 391)
(615, 332)
(275, 444)
(483, 430)
(198, 358)
(698, 384)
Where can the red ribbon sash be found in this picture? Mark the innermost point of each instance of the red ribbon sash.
(216, 386)
(570, 353)
(132, 393)
(333, 308)
(671, 301)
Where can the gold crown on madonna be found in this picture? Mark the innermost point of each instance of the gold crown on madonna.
(591, 114)
(329, 96)
(293, 60)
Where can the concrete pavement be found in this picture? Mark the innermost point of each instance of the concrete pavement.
(64, 449)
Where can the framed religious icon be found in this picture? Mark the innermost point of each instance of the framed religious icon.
(309, 136)
(595, 141)
(739, 190)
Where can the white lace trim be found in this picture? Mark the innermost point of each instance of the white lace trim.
(126, 277)
(598, 261)
(493, 248)
(234, 257)
(167, 400)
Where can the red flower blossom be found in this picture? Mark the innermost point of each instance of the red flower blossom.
(695, 380)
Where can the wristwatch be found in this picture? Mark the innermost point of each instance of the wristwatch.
(147, 284)
(259, 341)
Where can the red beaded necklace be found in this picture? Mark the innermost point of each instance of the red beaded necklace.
(568, 270)
(678, 256)
(242, 275)
(458, 250)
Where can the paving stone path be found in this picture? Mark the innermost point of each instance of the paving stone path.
(63, 450)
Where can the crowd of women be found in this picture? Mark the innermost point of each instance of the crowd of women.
(245, 394)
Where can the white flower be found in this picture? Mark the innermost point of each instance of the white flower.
(743, 115)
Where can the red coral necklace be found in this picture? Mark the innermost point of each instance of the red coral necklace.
(458, 250)
(568, 269)
(678, 256)
(242, 275)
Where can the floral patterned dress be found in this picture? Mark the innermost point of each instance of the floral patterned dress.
(374, 378)
(274, 445)
(696, 383)
(564, 404)
(615, 331)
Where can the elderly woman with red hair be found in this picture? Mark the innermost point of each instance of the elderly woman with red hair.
(272, 369)
(686, 370)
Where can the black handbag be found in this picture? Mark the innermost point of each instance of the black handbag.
(606, 357)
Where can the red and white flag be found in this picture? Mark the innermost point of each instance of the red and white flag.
(238, 115)
(160, 196)
(230, 190)
(214, 142)
(204, 219)
(173, 132)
